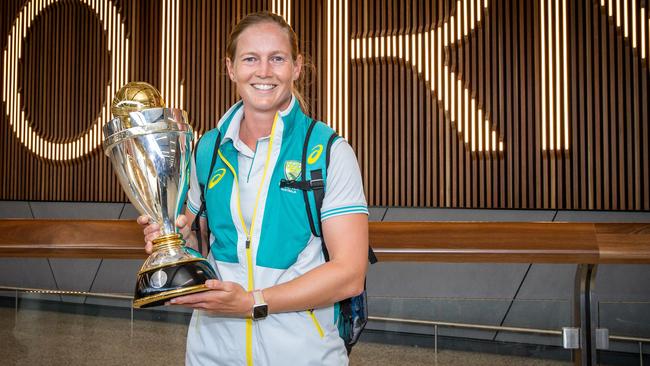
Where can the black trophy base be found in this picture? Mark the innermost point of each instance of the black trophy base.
(157, 286)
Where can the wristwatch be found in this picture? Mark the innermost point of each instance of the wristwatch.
(260, 309)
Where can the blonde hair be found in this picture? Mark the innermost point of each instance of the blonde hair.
(268, 17)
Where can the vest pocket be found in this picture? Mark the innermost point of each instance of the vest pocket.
(319, 329)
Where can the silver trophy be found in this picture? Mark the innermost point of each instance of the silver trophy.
(150, 148)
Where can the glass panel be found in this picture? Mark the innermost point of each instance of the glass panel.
(467, 346)
(43, 330)
(469, 302)
(623, 296)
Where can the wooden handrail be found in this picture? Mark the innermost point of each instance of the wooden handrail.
(548, 242)
(393, 241)
(71, 239)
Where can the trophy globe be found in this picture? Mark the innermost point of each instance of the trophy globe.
(150, 148)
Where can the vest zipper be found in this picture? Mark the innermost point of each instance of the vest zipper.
(249, 233)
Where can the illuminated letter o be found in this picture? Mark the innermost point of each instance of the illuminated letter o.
(118, 48)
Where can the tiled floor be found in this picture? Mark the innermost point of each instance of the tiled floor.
(34, 337)
(366, 354)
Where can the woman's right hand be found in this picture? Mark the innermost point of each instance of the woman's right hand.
(151, 231)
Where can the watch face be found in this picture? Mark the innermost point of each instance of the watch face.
(260, 311)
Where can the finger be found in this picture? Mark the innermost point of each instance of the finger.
(143, 220)
(199, 306)
(184, 226)
(151, 237)
(148, 247)
(151, 228)
(191, 299)
(216, 285)
(185, 231)
(152, 231)
(181, 221)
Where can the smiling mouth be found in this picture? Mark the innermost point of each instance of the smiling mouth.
(264, 87)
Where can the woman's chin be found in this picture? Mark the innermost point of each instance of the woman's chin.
(265, 105)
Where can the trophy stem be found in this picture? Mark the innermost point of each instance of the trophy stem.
(169, 241)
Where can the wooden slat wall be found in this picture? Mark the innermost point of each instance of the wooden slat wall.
(410, 151)
(204, 27)
(413, 155)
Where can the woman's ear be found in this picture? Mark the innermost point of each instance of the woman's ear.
(297, 68)
(229, 68)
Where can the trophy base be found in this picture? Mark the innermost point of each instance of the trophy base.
(155, 287)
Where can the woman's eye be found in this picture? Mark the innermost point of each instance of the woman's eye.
(277, 59)
(249, 59)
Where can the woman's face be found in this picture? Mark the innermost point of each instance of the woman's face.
(263, 69)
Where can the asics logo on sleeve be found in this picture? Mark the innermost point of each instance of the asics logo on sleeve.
(315, 154)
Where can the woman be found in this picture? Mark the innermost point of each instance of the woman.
(262, 244)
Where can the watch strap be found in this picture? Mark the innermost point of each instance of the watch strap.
(260, 308)
(258, 297)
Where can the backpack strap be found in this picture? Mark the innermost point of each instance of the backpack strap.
(196, 224)
(316, 185)
(313, 185)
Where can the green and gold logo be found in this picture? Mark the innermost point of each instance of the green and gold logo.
(292, 169)
(216, 177)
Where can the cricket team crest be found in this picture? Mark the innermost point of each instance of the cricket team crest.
(292, 169)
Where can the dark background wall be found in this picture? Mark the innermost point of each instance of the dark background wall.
(537, 104)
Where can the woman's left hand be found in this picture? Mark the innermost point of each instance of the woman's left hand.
(223, 298)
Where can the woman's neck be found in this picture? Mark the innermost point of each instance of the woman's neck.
(255, 126)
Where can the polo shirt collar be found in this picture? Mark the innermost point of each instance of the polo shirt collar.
(232, 133)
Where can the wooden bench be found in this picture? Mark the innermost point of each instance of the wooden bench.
(584, 244)
(579, 243)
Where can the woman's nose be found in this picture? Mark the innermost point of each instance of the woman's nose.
(264, 69)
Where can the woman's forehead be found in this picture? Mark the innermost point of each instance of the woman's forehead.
(264, 38)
